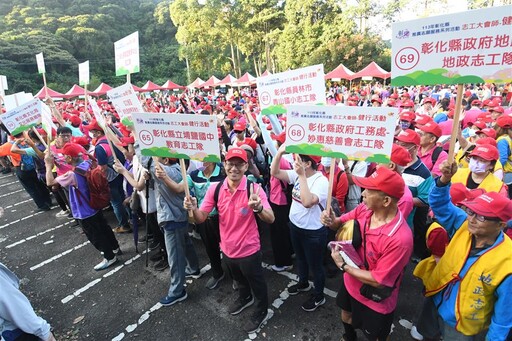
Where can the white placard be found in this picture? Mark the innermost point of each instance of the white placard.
(354, 133)
(182, 136)
(83, 73)
(127, 54)
(23, 118)
(468, 47)
(40, 63)
(300, 86)
(126, 102)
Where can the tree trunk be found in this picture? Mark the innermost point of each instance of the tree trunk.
(238, 59)
(188, 71)
(233, 59)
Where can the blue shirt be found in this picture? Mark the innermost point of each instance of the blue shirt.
(417, 177)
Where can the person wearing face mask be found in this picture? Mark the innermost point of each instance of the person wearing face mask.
(407, 119)
(479, 173)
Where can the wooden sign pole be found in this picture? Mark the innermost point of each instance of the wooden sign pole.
(331, 184)
(184, 176)
(455, 126)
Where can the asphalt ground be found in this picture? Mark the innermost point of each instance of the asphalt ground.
(54, 262)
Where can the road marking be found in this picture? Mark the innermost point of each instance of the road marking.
(97, 280)
(48, 261)
(130, 328)
(11, 193)
(294, 277)
(18, 203)
(9, 183)
(36, 235)
(18, 220)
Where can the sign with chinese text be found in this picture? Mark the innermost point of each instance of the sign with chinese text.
(46, 120)
(468, 47)
(354, 133)
(182, 136)
(301, 86)
(127, 54)
(83, 73)
(98, 116)
(126, 102)
(23, 118)
(40, 63)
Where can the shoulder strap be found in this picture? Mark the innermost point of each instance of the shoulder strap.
(216, 192)
(435, 154)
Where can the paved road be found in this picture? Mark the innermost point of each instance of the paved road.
(55, 262)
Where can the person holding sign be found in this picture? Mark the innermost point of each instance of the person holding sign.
(238, 202)
(105, 156)
(369, 296)
(308, 235)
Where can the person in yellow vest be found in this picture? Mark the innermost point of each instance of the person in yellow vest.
(467, 289)
(504, 144)
(482, 160)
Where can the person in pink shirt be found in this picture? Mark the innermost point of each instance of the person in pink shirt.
(429, 152)
(368, 296)
(238, 203)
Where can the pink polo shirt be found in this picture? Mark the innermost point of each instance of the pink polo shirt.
(427, 160)
(388, 249)
(277, 195)
(239, 235)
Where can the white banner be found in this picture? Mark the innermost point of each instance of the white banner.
(468, 47)
(83, 73)
(127, 54)
(3, 85)
(23, 117)
(354, 133)
(46, 119)
(40, 63)
(98, 115)
(301, 86)
(126, 102)
(182, 136)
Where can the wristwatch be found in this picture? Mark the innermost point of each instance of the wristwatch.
(258, 211)
(342, 267)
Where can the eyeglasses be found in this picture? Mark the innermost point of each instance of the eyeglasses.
(65, 135)
(235, 165)
(238, 132)
(479, 217)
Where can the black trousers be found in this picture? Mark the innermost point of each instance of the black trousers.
(34, 187)
(280, 235)
(420, 232)
(210, 235)
(247, 271)
(100, 234)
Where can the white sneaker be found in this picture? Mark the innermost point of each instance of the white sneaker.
(105, 263)
(415, 334)
(281, 268)
(62, 214)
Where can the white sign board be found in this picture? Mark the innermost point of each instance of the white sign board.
(40, 63)
(127, 54)
(354, 133)
(98, 115)
(126, 102)
(83, 73)
(301, 86)
(15, 100)
(46, 119)
(182, 136)
(468, 47)
(23, 117)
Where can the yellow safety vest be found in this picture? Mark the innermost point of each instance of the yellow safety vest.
(507, 167)
(474, 303)
(491, 183)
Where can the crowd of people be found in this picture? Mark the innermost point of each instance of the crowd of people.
(450, 217)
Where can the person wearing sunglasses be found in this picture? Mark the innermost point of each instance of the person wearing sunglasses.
(467, 289)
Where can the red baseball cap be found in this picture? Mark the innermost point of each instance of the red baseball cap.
(409, 136)
(239, 127)
(391, 102)
(94, 126)
(316, 159)
(407, 116)
(75, 121)
(489, 132)
(281, 138)
(400, 155)
(384, 180)
(407, 104)
(486, 102)
(459, 192)
(432, 128)
(405, 94)
(394, 95)
(250, 142)
(487, 140)
(82, 140)
(377, 99)
(236, 152)
(429, 100)
(476, 103)
(484, 117)
(492, 205)
(72, 149)
(497, 109)
(423, 119)
(504, 121)
(486, 151)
